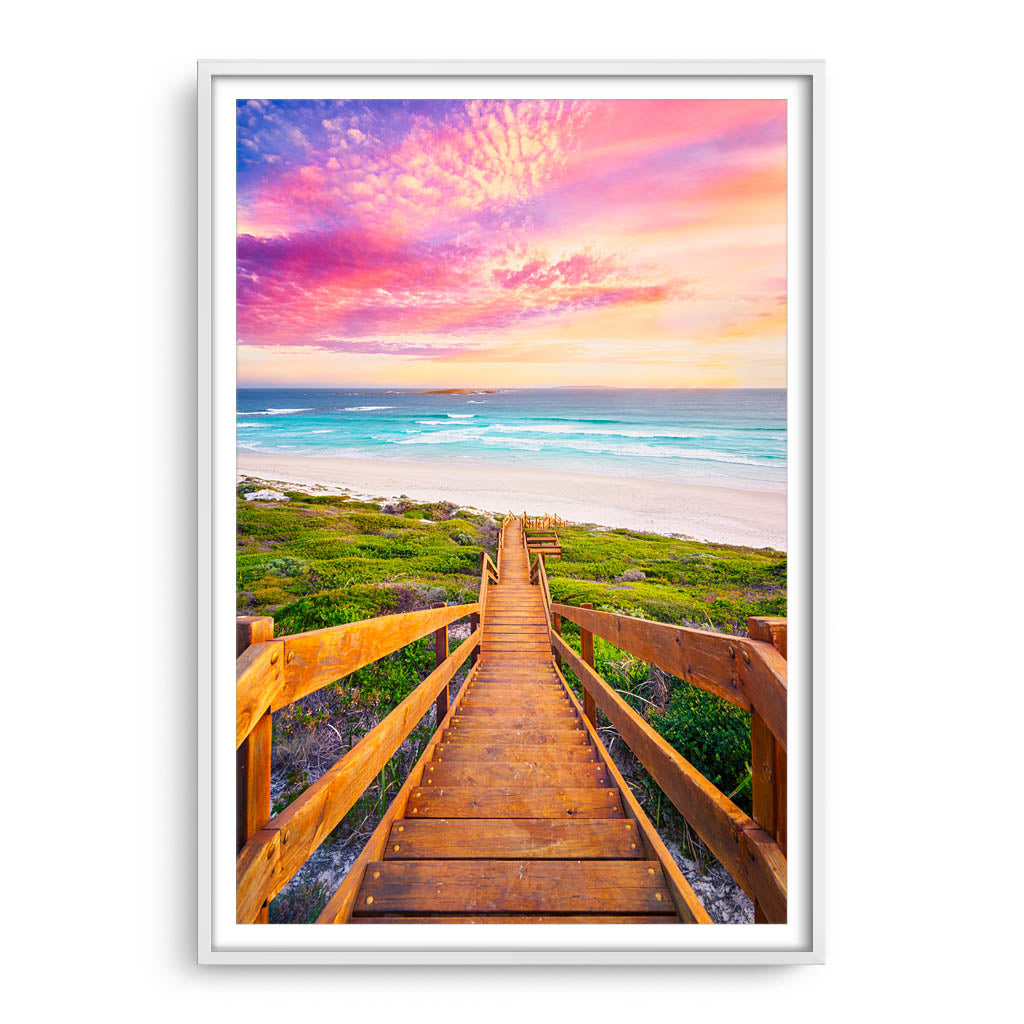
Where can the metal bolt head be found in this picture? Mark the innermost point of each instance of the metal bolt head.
(291, 657)
(376, 874)
(397, 847)
(369, 900)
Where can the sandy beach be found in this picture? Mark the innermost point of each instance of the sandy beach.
(712, 512)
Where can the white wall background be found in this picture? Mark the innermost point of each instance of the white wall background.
(923, 505)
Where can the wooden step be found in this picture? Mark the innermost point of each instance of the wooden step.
(501, 715)
(519, 773)
(508, 737)
(523, 693)
(509, 886)
(520, 838)
(514, 802)
(520, 919)
(466, 750)
(493, 702)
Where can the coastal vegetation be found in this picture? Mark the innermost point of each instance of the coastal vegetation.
(317, 559)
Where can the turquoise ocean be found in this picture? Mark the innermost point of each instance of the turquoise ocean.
(725, 436)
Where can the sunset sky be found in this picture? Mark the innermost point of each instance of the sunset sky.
(487, 243)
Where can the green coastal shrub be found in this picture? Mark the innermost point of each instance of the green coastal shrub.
(712, 734)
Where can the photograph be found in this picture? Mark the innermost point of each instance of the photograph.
(511, 489)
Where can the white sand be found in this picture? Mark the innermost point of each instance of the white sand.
(726, 514)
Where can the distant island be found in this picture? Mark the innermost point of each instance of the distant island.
(460, 391)
(441, 391)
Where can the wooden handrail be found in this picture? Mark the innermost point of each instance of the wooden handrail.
(542, 581)
(273, 674)
(272, 856)
(748, 673)
(750, 854)
(687, 904)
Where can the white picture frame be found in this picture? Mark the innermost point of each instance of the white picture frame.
(220, 940)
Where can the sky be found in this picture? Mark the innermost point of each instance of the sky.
(518, 243)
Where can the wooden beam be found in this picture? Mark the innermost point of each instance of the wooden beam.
(440, 657)
(474, 626)
(252, 767)
(734, 838)
(587, 648)
(768, 758)
(748, 673)
(259, 673)
(314, 659)
(252, 629)
(556, 626)
(273, 855)
(769, 628)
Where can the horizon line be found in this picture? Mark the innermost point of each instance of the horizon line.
(506, 387)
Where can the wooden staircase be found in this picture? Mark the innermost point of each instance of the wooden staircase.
(519, 814)
(514, 812)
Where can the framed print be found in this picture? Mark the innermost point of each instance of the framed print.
(506, 465)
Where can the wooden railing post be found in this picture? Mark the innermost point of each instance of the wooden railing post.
(556, 626)
(441, 656)
(767, 758)
(587, 650)
(252, 759)
(474, 625)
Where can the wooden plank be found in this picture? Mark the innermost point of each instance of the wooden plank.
(253, 756)
(762, 766)
(688, 905)
(319, 657)
(291, 836)
(718, 821)
(440, 655)
(252, 629)
(527, 685)
(508, 737)
(485, 750)
(509, 644)
(747, 673)
(587, 649)
(258, 676)
(556, 627)
(489, 886)
(554, 723)
(519, 773)
(521, 919)
(518, 838)
(514, 802)
(549, 694)
(525, 716)
(768, 759)
(569, 728)
(253, 795)
(769, 628)
(474, 625)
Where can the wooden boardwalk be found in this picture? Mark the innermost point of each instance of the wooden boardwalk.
(518, 814)
(514, 812)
